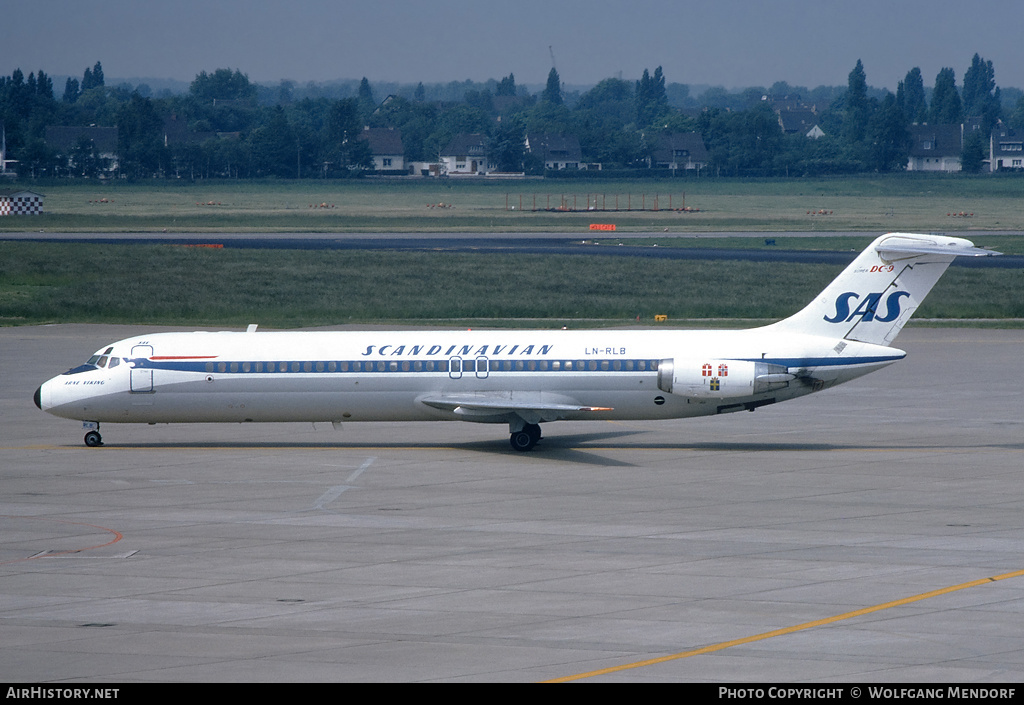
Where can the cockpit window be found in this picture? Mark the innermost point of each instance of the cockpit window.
(114, 362)
(100, 359)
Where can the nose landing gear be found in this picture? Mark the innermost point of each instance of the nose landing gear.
(93, 439)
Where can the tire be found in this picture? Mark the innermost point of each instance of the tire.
(522, 441)
(93, 439)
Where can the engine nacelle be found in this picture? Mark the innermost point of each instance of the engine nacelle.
(720, 379)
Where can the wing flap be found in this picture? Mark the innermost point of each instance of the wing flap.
(484, 406)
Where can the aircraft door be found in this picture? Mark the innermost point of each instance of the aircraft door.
(455, 368)
(141, 377)
(482, 368)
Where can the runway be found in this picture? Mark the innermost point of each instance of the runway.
(776, 546)
(505, 243)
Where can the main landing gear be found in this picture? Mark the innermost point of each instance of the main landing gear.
(526, 438)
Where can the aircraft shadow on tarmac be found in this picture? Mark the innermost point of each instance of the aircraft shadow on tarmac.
(582, 448)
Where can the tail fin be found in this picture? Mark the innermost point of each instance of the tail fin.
(878, 293)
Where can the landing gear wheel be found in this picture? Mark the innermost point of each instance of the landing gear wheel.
(522, 441)
(93, 439)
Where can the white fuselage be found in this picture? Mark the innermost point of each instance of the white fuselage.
(441, 375)
(522, 378)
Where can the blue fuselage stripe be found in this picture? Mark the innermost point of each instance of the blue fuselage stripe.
(471, 364)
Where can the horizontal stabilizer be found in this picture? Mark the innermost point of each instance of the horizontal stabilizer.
(900, 247)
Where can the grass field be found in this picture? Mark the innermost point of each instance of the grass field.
(42, 283)
(165, 284)
(908, 202)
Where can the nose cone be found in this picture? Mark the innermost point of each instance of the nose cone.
(37, 396)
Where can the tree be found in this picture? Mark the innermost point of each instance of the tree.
(274, 148)
(222, 84)
(139, 137)
(979, 82)
(973, 155)
(92, 78)
(343, 147)
(651, 99)
(507, 86)
(71, 91)
(85, 159)
(980, 95)
(946, 108)
(889, 140)
(910, 96)
(367, 103)
(857, 106)
(601, 120)
(553, 91)
(1016, 118)
(507, 145)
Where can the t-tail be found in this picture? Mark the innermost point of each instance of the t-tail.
(877, 294)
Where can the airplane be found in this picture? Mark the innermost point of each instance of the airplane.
(522, 378)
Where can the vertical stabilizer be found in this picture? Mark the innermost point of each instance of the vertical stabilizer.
(877, 294)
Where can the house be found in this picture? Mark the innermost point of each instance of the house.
(556, 151)
(103, 141)
(177, 134)
(466, 154)
(935, 148)
(20, 202)
(800, 121)
(1006, 148)
(386, 148)
(679, 150)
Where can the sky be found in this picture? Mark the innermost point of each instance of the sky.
(731, 43)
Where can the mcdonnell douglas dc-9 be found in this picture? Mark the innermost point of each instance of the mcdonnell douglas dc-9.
(519, 378)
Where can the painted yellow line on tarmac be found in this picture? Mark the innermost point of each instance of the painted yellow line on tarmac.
(787, 630)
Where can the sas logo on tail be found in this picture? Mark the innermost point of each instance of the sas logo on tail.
(867, 308)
